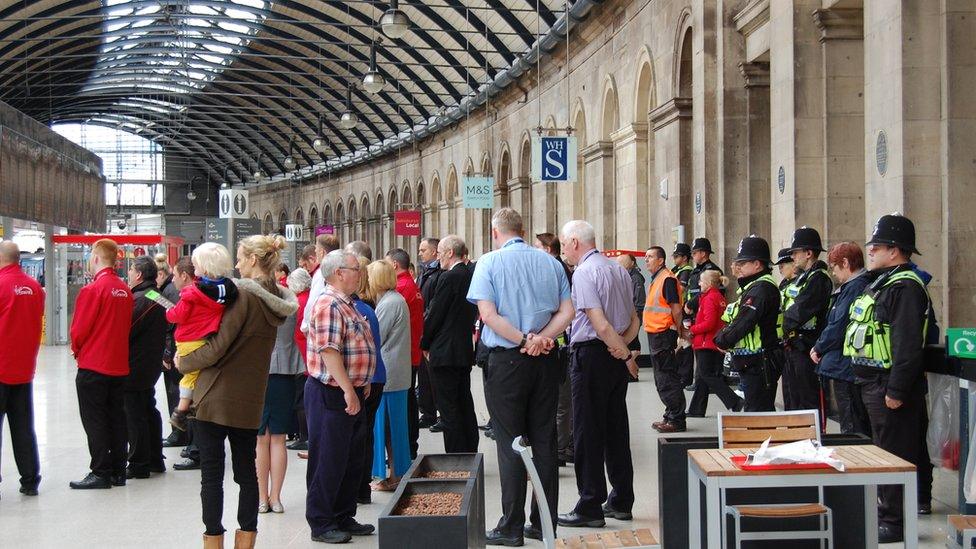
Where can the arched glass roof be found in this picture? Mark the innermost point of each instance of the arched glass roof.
(228, 84)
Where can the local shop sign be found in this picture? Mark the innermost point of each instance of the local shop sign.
(406, 223)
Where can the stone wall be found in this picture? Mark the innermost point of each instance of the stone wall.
(721, 118)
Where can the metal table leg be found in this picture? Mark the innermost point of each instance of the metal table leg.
(694, 508)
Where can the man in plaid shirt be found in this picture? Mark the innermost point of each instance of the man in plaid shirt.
(341, 360)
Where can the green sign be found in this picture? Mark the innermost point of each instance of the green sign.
(962, 342)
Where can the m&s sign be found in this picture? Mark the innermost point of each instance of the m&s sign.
(554, 159)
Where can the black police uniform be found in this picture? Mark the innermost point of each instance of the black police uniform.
(759, 373)
(803, 322)
(902, 305)
(685, 356)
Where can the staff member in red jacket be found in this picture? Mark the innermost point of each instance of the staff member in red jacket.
(21, 309)
(708, 321)
(100, 344)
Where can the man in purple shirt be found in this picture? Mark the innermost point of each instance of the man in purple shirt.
(605, 321)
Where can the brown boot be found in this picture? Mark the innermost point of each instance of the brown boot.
(244, 540)
(213, 542)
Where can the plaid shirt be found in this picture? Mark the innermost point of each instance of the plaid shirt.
(335, 324)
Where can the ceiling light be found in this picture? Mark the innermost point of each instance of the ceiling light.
(348, 120)
(289, 162)
(320, 144)
(373, 81)
(191, 196)
(394, 22)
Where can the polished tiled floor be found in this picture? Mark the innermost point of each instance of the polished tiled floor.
(164, 511)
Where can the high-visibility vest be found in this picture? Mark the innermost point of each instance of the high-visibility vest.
(793, 290)
(751, 344)
(657, 311)
(868, 341)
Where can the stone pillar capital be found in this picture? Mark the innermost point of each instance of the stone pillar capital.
(629, 134)
(597, 151)
(670, 111)
(840, 24)
(755, 73)
(519, 183)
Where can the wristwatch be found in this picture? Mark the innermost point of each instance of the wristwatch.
(522, 343)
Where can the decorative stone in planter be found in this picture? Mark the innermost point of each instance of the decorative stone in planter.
(429, 467)
(400, 528)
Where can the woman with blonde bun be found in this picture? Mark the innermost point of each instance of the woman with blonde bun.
(230, 390)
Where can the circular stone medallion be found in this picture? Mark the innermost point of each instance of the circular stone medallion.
(881, 152)
(781, 180)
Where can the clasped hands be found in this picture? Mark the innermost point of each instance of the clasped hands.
(536, 345)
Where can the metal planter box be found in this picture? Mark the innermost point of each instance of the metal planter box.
(425, 531)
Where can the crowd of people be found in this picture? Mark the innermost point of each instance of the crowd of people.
(352, 355)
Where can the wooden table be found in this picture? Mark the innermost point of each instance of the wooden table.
(867, 466)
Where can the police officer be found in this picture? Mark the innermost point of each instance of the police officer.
(805, 304)
(750, 332)
(701, 252)
(885, 340)
(685, 356)
(787, 269)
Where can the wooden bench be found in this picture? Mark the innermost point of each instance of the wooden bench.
(963, 526)
(642, 538)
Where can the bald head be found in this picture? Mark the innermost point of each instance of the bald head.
(9, 253)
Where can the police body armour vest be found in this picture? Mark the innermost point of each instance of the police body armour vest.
(751, 344)
(868, 341)
(795, 289)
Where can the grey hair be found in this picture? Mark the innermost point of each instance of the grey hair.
(360, 248)
(454, 243)
(580, 230)
(299, 280)
(332, 261)
(507, 220)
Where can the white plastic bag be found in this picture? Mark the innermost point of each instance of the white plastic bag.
(801, 451)
(943, 433)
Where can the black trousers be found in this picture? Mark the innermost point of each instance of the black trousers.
(335, 440)
(452, 389)
(101, 402)
(426, 401)
(243, 451)
(370, 406)
(852, 415)
(300, 407)
(564, 412)
(171, 380)
(686, 364)
(759, 393)
(601, 430)
(709, 381)
(901, 432)
(413, 414)
(521, 397)
(801, 386)
(17, 404)
(145, 430)
(668, 378)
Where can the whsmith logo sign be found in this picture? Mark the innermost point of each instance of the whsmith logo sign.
(554, 159)
(233, 204)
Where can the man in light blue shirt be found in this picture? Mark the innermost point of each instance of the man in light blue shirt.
(523, 297)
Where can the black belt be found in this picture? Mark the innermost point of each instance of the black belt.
(587, 343)
(503, 349)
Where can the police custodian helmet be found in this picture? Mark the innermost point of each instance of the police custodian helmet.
(702, 244)
(682, 249)
(895, 230)
(784, 257)
(753, 248)
(806, 238)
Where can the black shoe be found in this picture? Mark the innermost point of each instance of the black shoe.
(889, 534)
(364, 500)
(297, 445)
(356, 529)
(610, 512)
(175, 439)
(690, 388)
(925, 508)
(119, 479)
(426, 422)
(28, 490)
(578, 521)
(185, 452)
(532, 532)
(437, 427)
(90, 482)
(494, 537)
(490, 433)
(333, 536)
(136, 473)
(186, 465)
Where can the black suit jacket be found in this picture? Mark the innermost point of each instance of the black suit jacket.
(449, 321)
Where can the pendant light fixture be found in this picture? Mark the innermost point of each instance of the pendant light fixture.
(320, 144)
(349, 119)
(258, 172)
(373, 81)
(394, 22)
(289, 161)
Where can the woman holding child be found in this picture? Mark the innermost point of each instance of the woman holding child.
(230, 389)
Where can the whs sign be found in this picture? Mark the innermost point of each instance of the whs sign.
(554, 159)
(233, 204)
